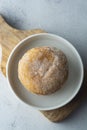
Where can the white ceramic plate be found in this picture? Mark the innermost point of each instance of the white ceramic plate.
(69, 89)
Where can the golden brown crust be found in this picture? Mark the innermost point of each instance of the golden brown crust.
(43, 70)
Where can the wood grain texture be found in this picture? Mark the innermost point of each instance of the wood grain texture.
(9, 37)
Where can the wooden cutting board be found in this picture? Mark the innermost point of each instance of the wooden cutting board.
(9, 38)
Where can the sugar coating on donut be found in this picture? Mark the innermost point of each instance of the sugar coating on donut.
(43, 70)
